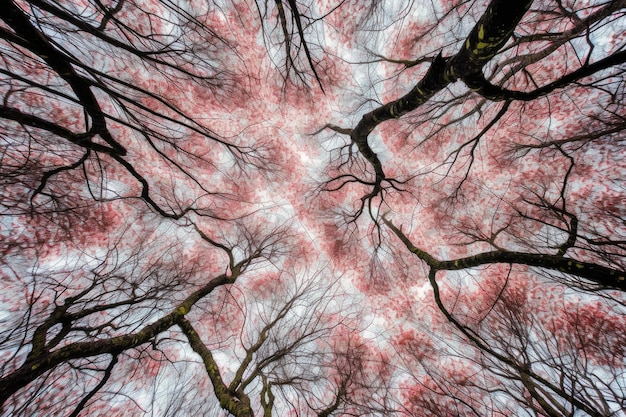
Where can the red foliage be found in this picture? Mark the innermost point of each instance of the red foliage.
(239, 170)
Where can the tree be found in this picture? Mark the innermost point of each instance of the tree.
(313, 208)
(537, 361)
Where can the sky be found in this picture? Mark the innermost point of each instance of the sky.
(238, 165)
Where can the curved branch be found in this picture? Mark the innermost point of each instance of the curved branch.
(83, 139)
(478, 83)
(298, 19)
(526, 374)
(238, 404)
(38, 43)
(487, 37)
(605, 277)
(42, 362)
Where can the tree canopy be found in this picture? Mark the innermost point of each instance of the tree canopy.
(313, 208)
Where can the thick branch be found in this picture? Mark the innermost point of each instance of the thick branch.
(489, 35)
(38, 364)
(493, 92)
(237, 405)
(39, 123)
(601, 275)
(598, 274)
(267, 398)
(39, 44)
